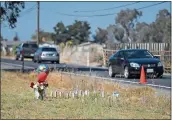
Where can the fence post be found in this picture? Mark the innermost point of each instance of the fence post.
(60, 94)
(55, 94)
(88, 57)
(67, 95)
(73, 95)
(51, 94)
(104, 59)
(70, 94)
(102, 94)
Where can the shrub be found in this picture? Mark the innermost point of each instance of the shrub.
(69, 43)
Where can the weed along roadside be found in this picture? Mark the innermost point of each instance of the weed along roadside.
(79, 97)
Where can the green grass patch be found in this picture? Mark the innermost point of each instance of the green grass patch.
(17, 101)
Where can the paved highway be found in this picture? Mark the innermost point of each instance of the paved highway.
(7, 64)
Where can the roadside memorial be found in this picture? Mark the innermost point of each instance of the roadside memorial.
(41, 85)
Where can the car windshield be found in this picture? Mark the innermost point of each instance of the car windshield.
(25, 45)
(30, 45)
(137, 54)
(33, 45)
(49, 49)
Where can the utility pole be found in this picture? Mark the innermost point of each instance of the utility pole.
(38, 22)
(0, 23)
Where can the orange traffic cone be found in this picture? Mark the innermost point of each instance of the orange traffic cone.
(142, 76)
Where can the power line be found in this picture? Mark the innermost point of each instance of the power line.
(84, 15)
(109, 8)
(100, 15)
(28, 11)
(151, 5)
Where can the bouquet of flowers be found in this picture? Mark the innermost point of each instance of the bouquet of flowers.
(42, 68)
(40, 86)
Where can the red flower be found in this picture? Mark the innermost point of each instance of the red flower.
(31, 84)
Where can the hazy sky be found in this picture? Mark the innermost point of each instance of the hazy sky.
(49, 16)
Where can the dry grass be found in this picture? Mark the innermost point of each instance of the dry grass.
(18, 99)
(8, 56)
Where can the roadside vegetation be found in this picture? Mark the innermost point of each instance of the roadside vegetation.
(17, 99)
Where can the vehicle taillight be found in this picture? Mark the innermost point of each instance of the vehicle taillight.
(40, 53)
(22, 52)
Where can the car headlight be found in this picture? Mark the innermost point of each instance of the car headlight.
(134, 65)
(160, 64)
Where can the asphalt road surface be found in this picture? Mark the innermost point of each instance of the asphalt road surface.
(9, 64)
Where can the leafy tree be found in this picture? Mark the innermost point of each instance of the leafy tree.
(60, 28)
(158, 31)
(115, 34)
(47, 35)
(111, 35)
(163, 26)
(61, 33)
(127, 18)
(119, 33)
(111, 40)
(101, 36)
(9, 11)
(144, 32)
(78, 32)
(128, 29)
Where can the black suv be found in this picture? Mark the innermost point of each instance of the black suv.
(26, 50)
(129, 62)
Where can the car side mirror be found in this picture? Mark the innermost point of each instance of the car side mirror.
(157, 57)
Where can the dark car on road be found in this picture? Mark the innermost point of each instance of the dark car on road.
(46, 54)
(129, 62)
(26, 50)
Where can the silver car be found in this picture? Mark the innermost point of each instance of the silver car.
(46, 54)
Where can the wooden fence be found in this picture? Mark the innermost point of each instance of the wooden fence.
(148, 46)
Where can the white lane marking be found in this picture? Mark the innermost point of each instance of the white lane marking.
(16, 65)
(118, 80)
(159, 86)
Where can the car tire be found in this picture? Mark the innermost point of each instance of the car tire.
(159, 76)
(39, 61)
(126, 72)
(57, 62)
(34, 60)
(111, 72)
(16, 58)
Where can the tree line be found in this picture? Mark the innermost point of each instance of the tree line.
(74, 34)
(126, 28)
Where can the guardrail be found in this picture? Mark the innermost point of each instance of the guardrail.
(165, 57)
(72, 72)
